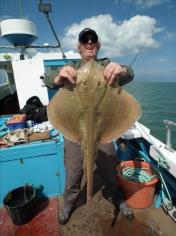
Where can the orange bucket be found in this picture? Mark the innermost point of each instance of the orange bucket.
(136, 194)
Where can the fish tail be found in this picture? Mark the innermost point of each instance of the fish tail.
(88, 172)
(89, 183)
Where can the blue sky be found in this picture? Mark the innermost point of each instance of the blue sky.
(123, 27)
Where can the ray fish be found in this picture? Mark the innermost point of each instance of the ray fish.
(92, 112)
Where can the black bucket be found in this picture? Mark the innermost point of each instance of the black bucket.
(20, 204)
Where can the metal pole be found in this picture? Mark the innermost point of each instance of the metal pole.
(168, 124)
(168, 137)
(52, 28)
(46, 8)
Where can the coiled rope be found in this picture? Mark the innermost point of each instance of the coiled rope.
(137, 174)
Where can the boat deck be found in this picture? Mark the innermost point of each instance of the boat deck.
(44, 223)
(99, 218)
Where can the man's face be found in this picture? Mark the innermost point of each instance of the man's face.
(88, 48)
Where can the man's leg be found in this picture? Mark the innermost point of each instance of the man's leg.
(107, 162)
(73, 158)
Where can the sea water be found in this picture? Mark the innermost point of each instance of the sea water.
(158, 102)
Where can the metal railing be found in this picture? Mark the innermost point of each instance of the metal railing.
(168, 125)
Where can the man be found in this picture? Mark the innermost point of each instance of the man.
(106, 159)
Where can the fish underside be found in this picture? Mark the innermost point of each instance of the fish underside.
(92, 112)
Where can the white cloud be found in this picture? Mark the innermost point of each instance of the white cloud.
(116, 38)
(142, 4)
(150, 3)
(169, 36)
(163, 60)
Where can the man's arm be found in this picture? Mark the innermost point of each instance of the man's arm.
(127, 77)
(113, 70)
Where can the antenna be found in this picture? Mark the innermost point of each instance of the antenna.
(46, 8)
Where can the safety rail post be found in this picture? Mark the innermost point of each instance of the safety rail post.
(168, 125)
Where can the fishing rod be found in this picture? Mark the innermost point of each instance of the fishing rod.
(46, 8)
(139, 51)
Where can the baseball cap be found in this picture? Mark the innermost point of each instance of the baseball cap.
(87, 31)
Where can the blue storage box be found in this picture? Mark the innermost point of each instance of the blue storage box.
(20, 125)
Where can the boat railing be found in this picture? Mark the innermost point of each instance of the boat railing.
(168, 125)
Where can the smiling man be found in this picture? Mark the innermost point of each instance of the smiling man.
(88, 47)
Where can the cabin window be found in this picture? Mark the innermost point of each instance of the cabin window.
(3, 77)
(51, 69)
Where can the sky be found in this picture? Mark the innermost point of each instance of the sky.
(125, 28)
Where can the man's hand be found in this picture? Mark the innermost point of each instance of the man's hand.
(66, 73)
(113, 71)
